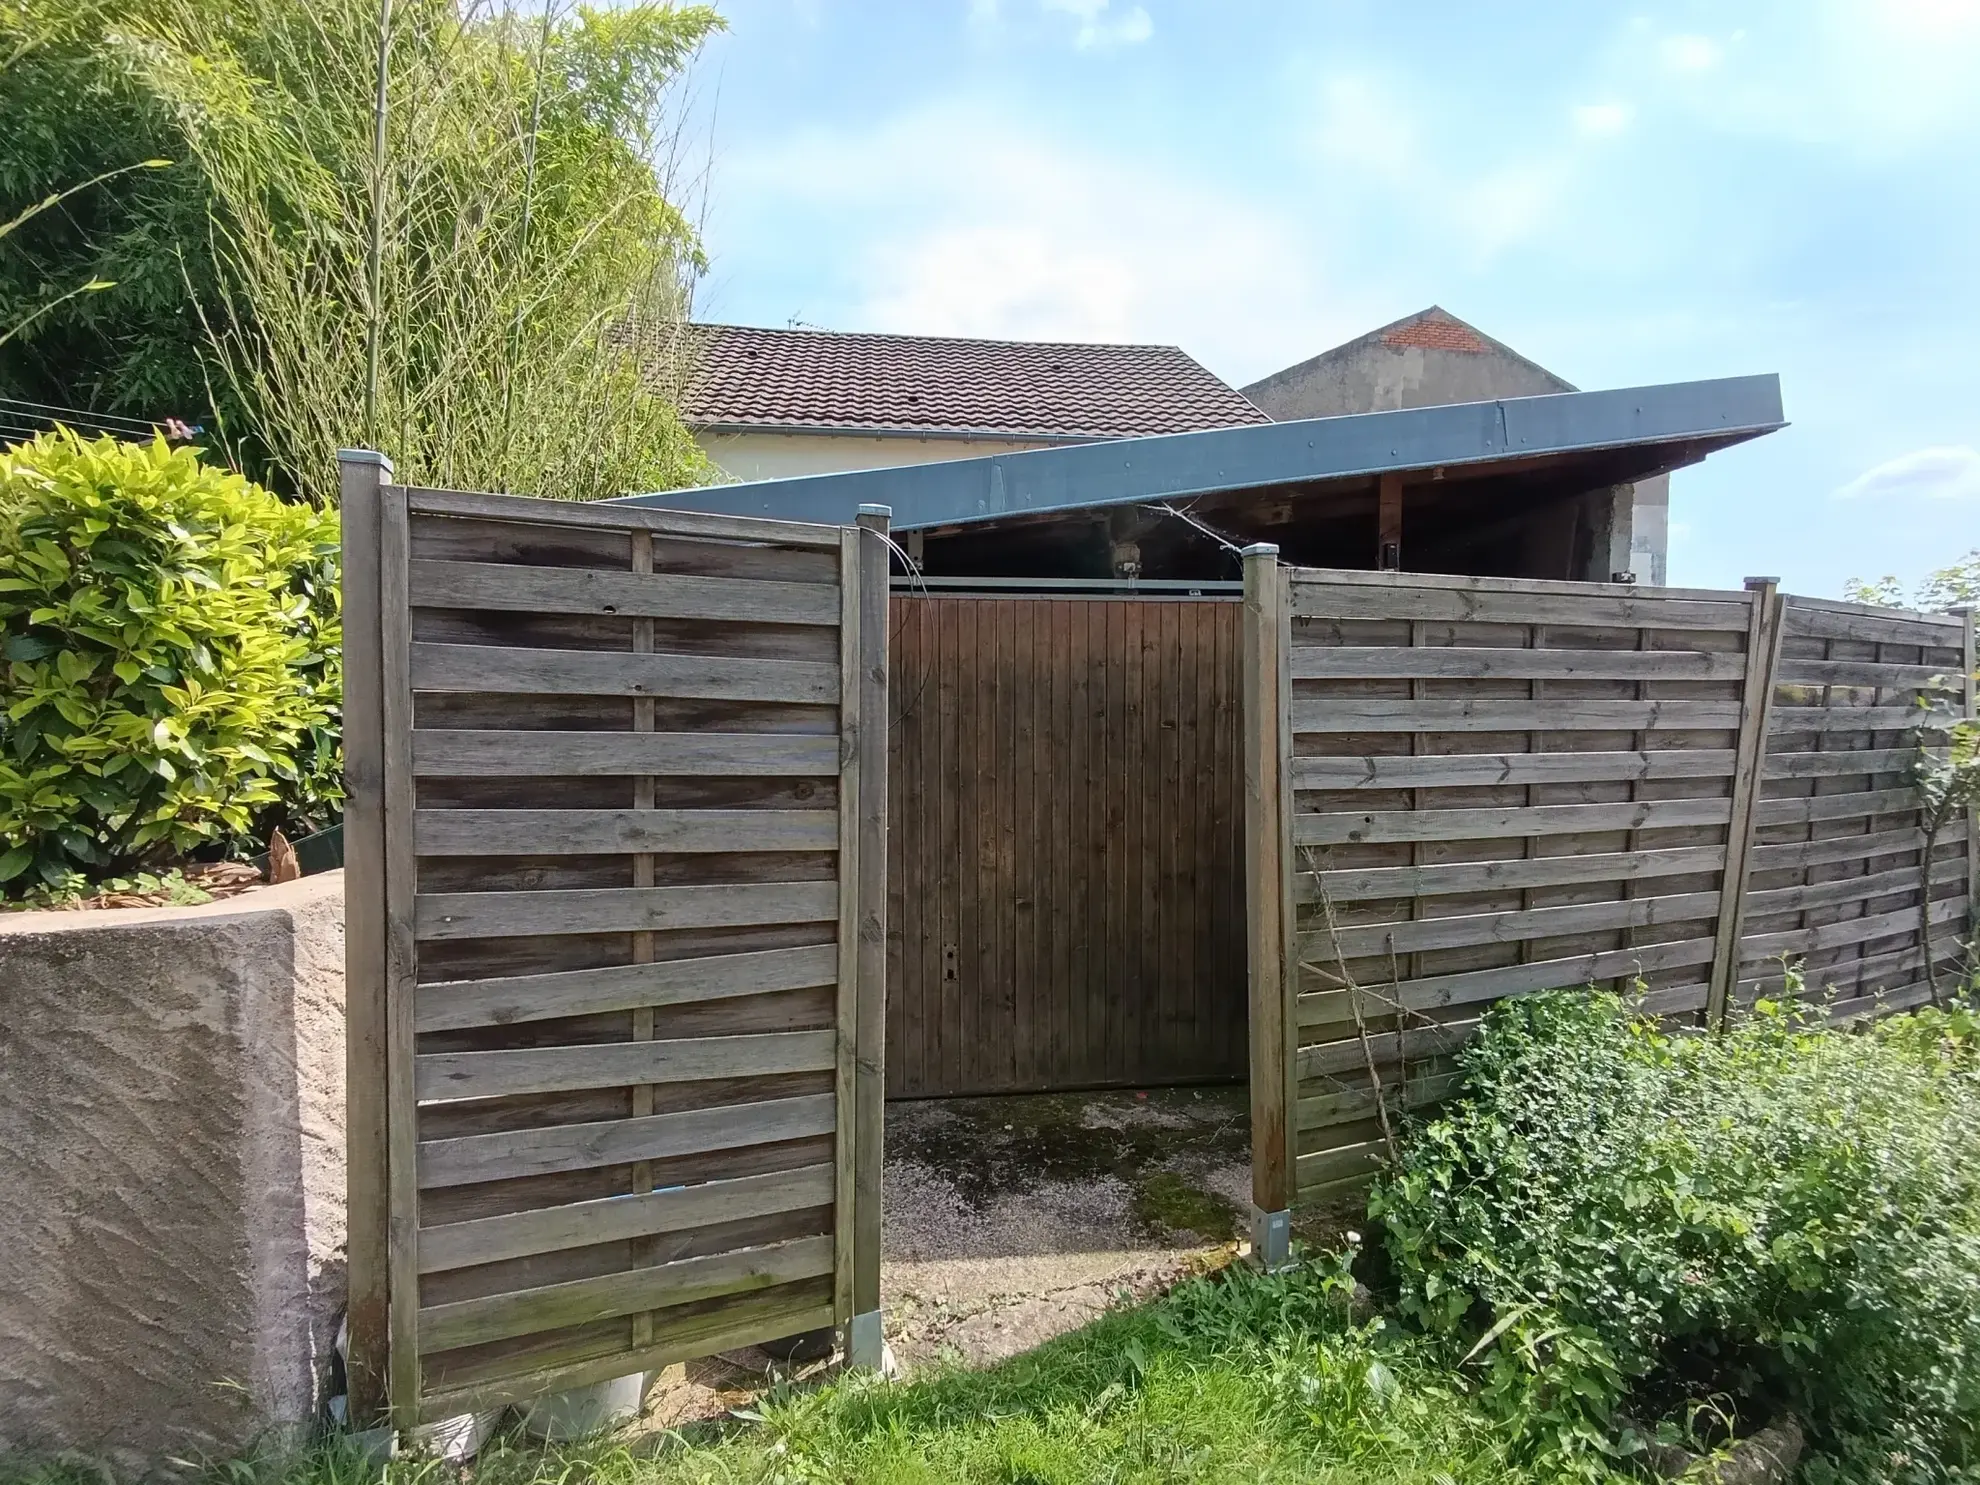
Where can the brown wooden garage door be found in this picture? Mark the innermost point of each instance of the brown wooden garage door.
(1067, 893)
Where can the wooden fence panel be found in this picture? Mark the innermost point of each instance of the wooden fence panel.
(1835, 879)
(1067, 901)
(626, 819)
(1491, 788)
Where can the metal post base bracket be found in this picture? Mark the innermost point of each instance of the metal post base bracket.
(866, 1345)
(1271, 1239)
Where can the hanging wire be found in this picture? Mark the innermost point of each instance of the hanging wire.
(1189, 520)
(23, 419)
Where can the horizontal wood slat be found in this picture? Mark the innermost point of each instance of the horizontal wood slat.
(1856, 847)
(1841, 762)
(1478, 662)
(445, 915)
(500, 1074)
(537, 672)
(518, 755)
(465, 1159)
(1471, 986)
(503, 587)
(582, 832)
(1415, 935)
(1807, 620)
(456, 1005)
(1848, 931)
(496, 1317)
(1375, 882)
(1835, 806)
(1881, 675)
(760, 1315)
(1357, 714)
(615, 1219)
(1421, 771)
(1321, 599)
(1828, 894)
(1791, 719)
(616, 517)
(1494, 824)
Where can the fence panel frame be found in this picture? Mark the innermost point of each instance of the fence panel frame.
(1275, 596)
(388, 1385)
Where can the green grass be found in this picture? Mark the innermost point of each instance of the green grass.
(1232, 1377)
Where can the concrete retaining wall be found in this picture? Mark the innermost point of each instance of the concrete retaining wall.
(172, 1163)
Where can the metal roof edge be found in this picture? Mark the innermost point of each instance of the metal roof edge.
(1179, 465)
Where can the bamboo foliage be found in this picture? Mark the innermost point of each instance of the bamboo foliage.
(492, 226)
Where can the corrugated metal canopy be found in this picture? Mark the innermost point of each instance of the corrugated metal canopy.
(1658, 428)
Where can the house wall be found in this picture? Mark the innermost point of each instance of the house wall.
(1374, 376)
(773, 456)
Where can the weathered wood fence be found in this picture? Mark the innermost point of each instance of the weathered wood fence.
(615, 875)
(1463, 789)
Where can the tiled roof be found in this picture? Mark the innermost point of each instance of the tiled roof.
(744, 377)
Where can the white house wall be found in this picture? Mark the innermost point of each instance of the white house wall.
(772, 456)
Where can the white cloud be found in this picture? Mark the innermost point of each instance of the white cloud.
(1601, 119)
(1102, 26)
(1869, 76)
(1686, 53)
(1369, 136)
(1939, 473)
(964, 220)
(1097, 25)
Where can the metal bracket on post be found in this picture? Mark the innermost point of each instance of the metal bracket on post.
(866, 1343)
(1271, 1239)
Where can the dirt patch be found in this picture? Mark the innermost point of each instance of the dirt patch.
(1013, 1220)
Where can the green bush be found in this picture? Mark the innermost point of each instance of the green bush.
(170, 637)
(1622, 1221)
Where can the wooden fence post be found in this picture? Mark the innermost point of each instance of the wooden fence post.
(865, 1339)
(1763, 656)
(362, 475)
(1268, 893)
(1969, 662)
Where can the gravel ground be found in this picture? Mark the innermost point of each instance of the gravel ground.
(1013, 1220)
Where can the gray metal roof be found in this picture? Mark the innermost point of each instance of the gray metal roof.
(1691, 417)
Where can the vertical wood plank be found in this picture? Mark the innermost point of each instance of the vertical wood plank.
(1388, 521)
(402, 965)
(1265, 872)
(846, 1144)
(1970, 684)
(367, 1188)
(1763, 655)
(870, 887)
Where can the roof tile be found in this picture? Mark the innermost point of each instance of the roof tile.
(747, 376)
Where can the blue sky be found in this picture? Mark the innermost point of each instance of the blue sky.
(1625, 194)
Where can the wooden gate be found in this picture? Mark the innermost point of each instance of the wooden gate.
(1067, 896)
(615, 860)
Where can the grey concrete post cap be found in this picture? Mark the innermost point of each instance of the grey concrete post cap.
(1260, 549)
(364, 456)
(877, 510)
